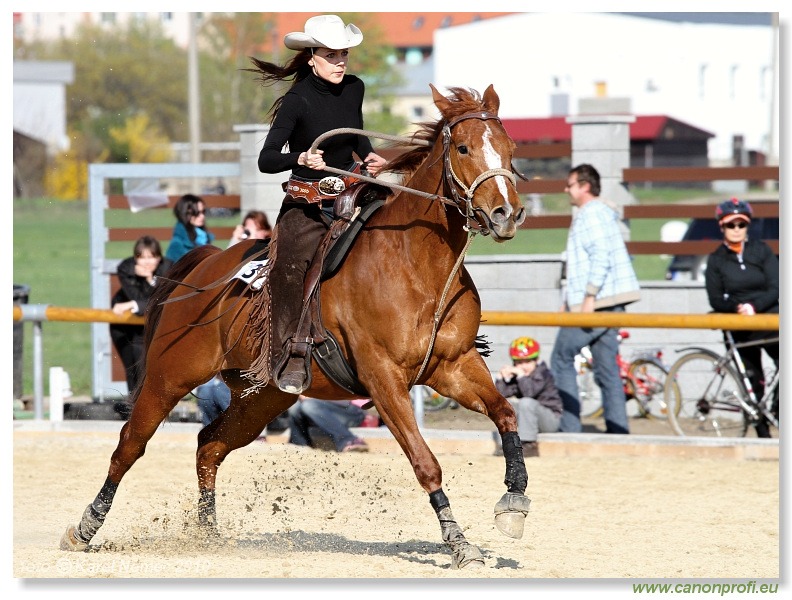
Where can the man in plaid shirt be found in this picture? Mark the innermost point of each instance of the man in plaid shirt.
(600, 277)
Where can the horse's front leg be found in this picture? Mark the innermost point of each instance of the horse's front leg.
(151, 408)
(394, 406)
(468, 381)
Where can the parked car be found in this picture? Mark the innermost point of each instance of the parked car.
(686, 266)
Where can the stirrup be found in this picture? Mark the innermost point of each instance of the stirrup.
(293, 374)
(292, 382)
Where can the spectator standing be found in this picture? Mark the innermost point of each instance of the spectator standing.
(600, 278)
(530, 387)
(137, 276)
(742, 278)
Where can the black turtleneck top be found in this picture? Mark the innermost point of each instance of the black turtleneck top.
(310, 108)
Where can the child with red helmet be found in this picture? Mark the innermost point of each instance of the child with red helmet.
(530, 387)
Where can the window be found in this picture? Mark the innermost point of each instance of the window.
(418, 23)
(446, 21)
(413, 56)
(108, 17)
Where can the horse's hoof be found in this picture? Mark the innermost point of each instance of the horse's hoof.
(70, 542)
(467, 556)
(510, 512)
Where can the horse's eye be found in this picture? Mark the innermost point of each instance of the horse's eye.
(462, 149)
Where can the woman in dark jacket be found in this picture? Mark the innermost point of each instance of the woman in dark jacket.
(742, 278)
(137, 275)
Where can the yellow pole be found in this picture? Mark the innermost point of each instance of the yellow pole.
(610, 319)
(81, 315)
(764, 322)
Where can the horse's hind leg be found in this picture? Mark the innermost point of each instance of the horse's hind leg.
(235, 428)
(150, 409)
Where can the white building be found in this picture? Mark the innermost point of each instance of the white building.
(33, 26)
(715, 77)
(40, 101)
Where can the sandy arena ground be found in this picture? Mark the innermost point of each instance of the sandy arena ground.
(287, 512)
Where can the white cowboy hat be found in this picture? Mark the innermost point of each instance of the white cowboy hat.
(324, 31)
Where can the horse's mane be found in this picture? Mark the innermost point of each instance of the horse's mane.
(462, 101)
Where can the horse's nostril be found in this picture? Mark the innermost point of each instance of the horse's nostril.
(520, 218)
(499, 216)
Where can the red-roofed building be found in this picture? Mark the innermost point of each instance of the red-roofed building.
(655, 140)
(402, 30)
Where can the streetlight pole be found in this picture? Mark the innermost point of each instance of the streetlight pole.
(193, 99)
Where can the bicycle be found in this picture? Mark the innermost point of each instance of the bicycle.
(434, 402)
(712, 394)
(644, 378)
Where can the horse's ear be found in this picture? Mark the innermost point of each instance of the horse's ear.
(441, 102)
(491, 100)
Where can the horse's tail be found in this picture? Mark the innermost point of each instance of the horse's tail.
(162, 291)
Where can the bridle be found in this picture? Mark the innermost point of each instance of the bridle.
(475, 217)
(453, 182)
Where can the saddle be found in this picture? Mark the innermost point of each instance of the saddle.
(352, 209)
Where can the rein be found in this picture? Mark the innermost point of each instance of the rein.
(449, 175)
(439, 312)
(384, 136)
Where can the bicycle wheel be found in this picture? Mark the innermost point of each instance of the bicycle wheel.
(703, 399)
(589, 393)
(646, 379)
(434, 402)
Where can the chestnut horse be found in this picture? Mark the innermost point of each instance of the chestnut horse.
(384, 308)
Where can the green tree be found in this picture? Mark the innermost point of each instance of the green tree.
(123, 71)
(229, 95)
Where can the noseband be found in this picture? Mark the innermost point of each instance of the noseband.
(453, 182)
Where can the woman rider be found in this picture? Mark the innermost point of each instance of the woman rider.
(322, 97)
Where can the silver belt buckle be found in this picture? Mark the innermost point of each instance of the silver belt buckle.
(331, 186)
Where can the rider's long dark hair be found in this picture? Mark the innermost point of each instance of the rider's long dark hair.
(270, 73)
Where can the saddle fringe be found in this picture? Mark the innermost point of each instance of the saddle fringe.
(259, 338)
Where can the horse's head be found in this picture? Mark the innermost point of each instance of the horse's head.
(477, 155)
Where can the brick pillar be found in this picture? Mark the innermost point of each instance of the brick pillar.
(258, 191)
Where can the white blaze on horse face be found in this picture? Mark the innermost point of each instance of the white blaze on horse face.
(493, 160)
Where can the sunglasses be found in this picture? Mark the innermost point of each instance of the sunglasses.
(195, 213)
(736, 225)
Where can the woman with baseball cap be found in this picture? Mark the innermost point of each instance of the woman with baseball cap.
(742, 278)
(322, 97)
